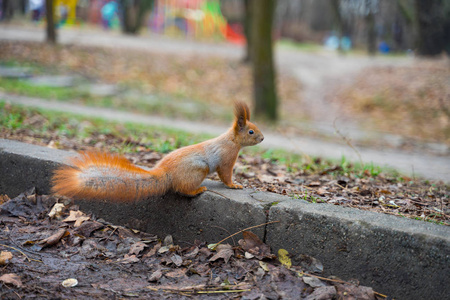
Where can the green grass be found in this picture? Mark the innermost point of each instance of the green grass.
(173, 107)
(305, 47)
(25, 88)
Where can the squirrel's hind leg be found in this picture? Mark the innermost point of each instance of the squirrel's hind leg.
(194, 192)
(190, 185)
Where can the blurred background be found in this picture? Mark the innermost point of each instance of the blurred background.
(375, 72)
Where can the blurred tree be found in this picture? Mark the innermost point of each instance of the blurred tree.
(339, 24)
(247, 31)
(7, 10)
(133, 12)
(50, 16)
(264, 89)
(371, 7)
(432, 23)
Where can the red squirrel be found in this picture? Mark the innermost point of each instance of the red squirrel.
(96, 175)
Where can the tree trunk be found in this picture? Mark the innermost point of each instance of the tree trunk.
(264, 90)
(50, 15)
(431, 23)
(338, 21)
(7, 10)
(371, 33)
(247, 25)
(133, 12)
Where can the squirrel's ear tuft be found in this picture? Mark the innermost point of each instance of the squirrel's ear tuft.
(242, 114)
(241, 110)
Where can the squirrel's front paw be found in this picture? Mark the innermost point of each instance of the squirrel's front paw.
(235, 186)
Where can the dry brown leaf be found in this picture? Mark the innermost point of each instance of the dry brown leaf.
(76, 216)
(5, 257)
(129, 259)
(177, 260)
(137, 248)
(177, 273)
(11, 278)
(253, 245)
(56, 210)
(224, 251)
(155, 276)
(54, 238)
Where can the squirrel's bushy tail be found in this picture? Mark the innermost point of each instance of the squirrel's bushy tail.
(96, 175)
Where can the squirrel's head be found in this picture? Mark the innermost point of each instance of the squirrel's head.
(245, 131)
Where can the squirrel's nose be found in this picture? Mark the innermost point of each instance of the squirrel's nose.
(262, 139)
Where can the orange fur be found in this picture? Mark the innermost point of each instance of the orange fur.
(96, 175)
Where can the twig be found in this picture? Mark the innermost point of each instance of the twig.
(379, 294)
(224, 229)
(200, 289)
(347, 141)
(243, 231)
(322, 278)
(29, 259)
(222, 291)
(218, 194)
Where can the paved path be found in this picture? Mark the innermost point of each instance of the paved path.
(432, 167)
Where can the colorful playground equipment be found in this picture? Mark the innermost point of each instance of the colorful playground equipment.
(199, 19)
(192, 18)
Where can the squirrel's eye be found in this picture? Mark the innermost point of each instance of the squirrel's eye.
(251, 132)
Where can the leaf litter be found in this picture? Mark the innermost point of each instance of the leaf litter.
(98, 260)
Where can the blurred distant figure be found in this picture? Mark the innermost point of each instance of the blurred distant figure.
(63, 12)
(36, 8)
(108, 13)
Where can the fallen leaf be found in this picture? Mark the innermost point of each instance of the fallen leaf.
(224, 251)
(177, 260)
(129, 259)
(347, 291)
(56, 210)
(177, 273)
(264, 266)
(137, 248)
(168, 241)
(163, 249)
(87, 228)
(5, 257)
(76, 216)
(153, 251)
(201, 269)
(322, 293)
(192, 254)
(54, 238)
(283, 258)
(11, 278)
(253, 245)
(155, 276)
(311, 264)
(267, 179)
(313, 281)
(70, 282)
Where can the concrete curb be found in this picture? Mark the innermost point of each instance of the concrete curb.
(403, 258)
